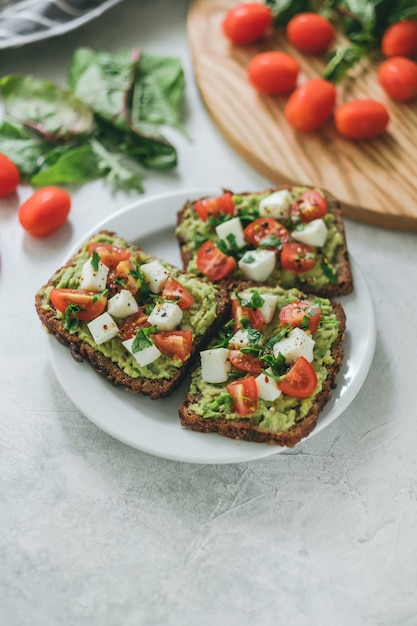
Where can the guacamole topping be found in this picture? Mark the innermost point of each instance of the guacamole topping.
(194, 232)
(197, 318)
(284, 412)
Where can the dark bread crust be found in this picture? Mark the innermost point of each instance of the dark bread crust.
(243, 429)
(344, 283)
(81, 350)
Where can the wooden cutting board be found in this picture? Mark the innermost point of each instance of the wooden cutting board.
(376, 180)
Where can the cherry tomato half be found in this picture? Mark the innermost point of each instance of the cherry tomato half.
(247, 23)
(310, 32)
(361, 119)
(263, 229)
(300, 381)
(245, 362)
(90, 303)
(297, 257)
(398, 78)
(309, 206)
(213, 207)
(45, 211)
(175, 343)
(300, 314)
(310, 105)
(9, 176)
(273, 73)
(132, 324)
(173, 290)
(400, 39)
(244, 393)
(254, 316)
(214, 263)
(123, 276)
(109, 254)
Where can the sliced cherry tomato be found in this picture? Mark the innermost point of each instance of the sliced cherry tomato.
(244, 393)
(173, 290)
(245, 362)
(274, 73)
(45, 211)
(310, 105)
(300, 314)
(109, 255)
(398, 77)
(213, 207)
(214, 263)
(9, 176)
(297, 257)
(247, 23)
(361, 119)
(90, 303)
(309, 206)
(175, 343)
(400, 39)
(310, 32)
(131, 324)
(123, 276)
(254, 316)
(300, 381)
(264, 228)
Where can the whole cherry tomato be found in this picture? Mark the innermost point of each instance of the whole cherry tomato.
(398, 77)
(310, 32)
(310, 105)
(247, 23)
(400, 39)
(45, 211)
(361, 119)
(9, 176)
(274, 73)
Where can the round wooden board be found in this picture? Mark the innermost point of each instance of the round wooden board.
(375, 180)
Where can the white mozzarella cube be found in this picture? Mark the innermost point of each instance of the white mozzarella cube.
(314, 233)
(155, 274)
(103, 328)
(122, 304)
(276, 205)
(257, 264)
(145, 356)
(231, 228)
(268, 307)
(298, 343)
(166, 316)
(267, 386)
(91, 279)
(240, 339)
(215, 365)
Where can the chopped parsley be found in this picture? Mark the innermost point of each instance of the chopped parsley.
(95, 261)
(141, 340)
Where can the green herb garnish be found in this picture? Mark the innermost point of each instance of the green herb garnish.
(71, 321)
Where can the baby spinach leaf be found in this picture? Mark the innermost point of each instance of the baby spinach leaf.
(54, 113)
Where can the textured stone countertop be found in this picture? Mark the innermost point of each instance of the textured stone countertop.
(95, 532)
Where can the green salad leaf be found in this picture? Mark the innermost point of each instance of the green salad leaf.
(106, 123)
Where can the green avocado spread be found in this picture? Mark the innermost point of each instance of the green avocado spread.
(284, 412)
(197, 318)
(193, 231)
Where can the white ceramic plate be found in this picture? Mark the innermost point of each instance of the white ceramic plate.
(153, 425)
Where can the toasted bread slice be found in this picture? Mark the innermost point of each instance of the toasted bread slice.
(330, 275)
(112, 359)
(283, 420)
